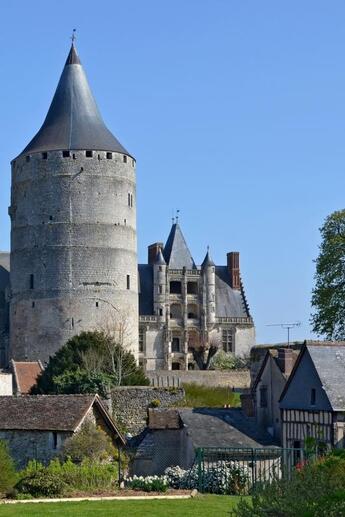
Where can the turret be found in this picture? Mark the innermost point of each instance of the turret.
(73, 227)
(159, 288)
(209, 282)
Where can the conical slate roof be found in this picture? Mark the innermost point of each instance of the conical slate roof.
(160, 259)
(176, 252)
(73, 120)
(207, 260)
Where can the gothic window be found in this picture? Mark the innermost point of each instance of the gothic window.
(141, 340)
(175, 287)
(175, 345)
(227, 340)
(192, 287)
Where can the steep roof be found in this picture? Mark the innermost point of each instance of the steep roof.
(207, 260)
(25, 375)
(73, 120)
(176, 251)
(223, 428)
(329, 363)
(50, 412)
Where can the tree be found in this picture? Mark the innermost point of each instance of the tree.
(328, 296)
(86, 365)
(90, 443)
(8, 475)
(204, 348)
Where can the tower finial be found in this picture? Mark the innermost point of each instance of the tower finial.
(73, 37)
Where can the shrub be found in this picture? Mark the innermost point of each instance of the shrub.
(8, 476)
(228, 361)
(155, 403)
(219, 478)
(42, 483)
(148, 483)
(315, 489)
(91, 443)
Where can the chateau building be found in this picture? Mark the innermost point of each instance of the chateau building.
(184, 306)
(73, 263)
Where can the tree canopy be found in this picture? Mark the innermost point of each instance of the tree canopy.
(91, 362)
(328, 297)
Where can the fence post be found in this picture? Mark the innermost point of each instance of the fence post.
(253, 469)
(199, 460)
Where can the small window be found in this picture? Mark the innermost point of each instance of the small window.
(66, 154)
(54, 433)
(160, 289)
(124, 158)
(161, 312)
(128, 282)
(99, 156)
(88, 154)
(44, 156)
(125, 222)
(175, 366)
(133, 163)
(96, 304)
(33, 304)
(263, 396)
(160, 268)
(109, 156)
(132, 200)
(141, 340)
(192, 287)
(175, 345)
(129, 199)
(313, 397)
(50, 218)
(72, 323)
(32, 281)
(74, 157)
(27, 158)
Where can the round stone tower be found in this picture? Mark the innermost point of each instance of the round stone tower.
(73, 228)
(209, 276)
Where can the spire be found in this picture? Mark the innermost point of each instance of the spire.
(176, 252)
(73, 121)
(207, 260)
(160, 259)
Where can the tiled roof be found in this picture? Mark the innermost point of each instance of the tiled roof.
(44, 412)
(25, 375)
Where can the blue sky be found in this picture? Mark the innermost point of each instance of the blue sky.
(234, 110)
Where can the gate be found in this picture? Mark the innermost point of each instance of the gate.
(239, 470)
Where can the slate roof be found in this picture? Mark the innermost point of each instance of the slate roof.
(49, 412)
(329, 361)
(25, 374)
(208, 427)
(73, 120)
(4, 269)
(145, 289)
(176, 252)
(229, 302)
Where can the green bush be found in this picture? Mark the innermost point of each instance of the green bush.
(63, 478)
(42, 483)
(8, 476)
(315, 489)
(91, 442)
(228, 361)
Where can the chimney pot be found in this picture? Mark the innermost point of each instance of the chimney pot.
(233, 261)
(152, 251)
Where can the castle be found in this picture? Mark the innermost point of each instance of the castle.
(73, 261)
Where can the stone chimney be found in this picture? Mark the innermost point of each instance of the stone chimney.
(152, 251)
(233, 261)
(286, 360)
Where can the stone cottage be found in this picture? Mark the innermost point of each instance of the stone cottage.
(36, 427)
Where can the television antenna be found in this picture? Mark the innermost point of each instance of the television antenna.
(286, 326)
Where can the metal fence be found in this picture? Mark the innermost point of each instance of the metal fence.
(240, 470)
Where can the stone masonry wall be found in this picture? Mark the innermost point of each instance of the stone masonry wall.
(238, 379)
(130, 404)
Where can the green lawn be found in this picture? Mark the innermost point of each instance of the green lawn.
(201, 506)
(204, 396)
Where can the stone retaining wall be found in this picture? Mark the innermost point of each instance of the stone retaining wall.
(238, 379)
(129, 404)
